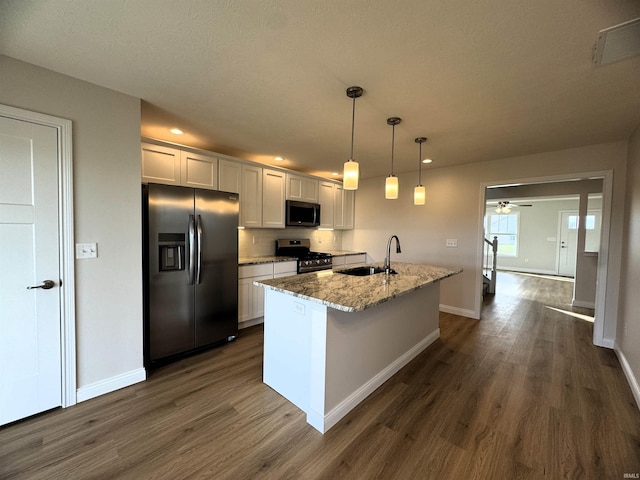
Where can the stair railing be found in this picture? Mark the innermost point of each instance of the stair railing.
(490, 263)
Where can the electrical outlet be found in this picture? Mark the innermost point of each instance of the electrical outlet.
(298, 308)
(86, 250)
(452, 242)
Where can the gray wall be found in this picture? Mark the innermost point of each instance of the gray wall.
(537, 224)
(628, 337)
(106, 166)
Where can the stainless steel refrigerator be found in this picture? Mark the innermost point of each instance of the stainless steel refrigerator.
(191, 263)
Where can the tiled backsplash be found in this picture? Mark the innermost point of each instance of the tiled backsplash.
(256, 242)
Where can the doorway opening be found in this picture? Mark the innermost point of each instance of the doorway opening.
(556, 226)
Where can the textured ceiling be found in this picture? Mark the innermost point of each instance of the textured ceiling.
(482, 79)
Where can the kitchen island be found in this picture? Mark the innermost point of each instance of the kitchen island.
(331, 339)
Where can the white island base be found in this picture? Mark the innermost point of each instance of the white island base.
(326, 361)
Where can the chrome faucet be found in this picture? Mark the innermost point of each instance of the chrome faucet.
(387, 259)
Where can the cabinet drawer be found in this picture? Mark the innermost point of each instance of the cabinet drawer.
(285, 267)
(352, 259)
(248, 271)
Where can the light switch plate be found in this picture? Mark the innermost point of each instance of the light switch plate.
(452, 242)
(86, 250)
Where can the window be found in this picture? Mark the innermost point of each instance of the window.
(593, 224)
(505, 227)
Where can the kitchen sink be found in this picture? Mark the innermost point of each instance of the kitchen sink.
(364, 271)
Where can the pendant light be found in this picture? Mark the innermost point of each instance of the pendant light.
(391, 183)
(351, 168)
(419, 193)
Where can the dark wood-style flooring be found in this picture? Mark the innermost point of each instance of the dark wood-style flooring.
(522, 393)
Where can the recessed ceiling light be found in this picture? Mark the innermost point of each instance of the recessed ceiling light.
(335, 174)
(427, 160)
(278, 159)
(176, 131)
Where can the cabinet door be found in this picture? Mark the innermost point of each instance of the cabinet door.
(349, 205)
(325, 198)
(257, 298)
(273, 198)
(229, 176)
(244, 299)
(294, 187)
(309, 190)
(338, 261)
(251, 197)
(302, 188)
(338, 207)
(160, 164)
(199, 171)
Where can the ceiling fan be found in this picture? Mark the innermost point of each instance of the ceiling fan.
(505, 206)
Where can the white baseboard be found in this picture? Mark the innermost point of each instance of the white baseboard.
(349, 403)
(111, 384)
(626, 368)
(580, 303)
(463, 312)
(606, 343)
(528, 270)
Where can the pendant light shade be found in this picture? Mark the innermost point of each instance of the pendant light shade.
(350, 175)
(420, 193)
(351, 172)
(391, 186)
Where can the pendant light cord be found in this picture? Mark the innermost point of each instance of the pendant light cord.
(393, 135)
(420, 165)
(353, 125)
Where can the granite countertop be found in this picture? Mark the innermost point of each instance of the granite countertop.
(264, 259)
(350, 293)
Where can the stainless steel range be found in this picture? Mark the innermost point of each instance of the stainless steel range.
(308, 261)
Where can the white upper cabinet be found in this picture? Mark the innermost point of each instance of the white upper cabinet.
(263, 191)
(198, 171)
(171, 166)
(251, 197)
(349, 206)
(326, 200)
(273, 190)
(229, 176)
(160, 164)
(344, 205)
(301, 188)
(336, 206)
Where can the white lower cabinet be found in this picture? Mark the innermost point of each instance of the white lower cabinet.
(250, 297)
(349, 260)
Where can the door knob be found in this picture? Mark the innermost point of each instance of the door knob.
(45, 285)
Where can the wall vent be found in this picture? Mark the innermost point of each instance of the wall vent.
(617, 43)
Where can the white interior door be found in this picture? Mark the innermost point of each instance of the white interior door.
(568, 243)
(30, 326)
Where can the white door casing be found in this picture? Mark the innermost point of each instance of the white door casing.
(37, 341)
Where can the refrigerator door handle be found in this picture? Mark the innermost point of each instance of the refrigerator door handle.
(192, 249)
(199, 267)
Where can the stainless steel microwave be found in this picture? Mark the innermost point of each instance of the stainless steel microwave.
(302, 214)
